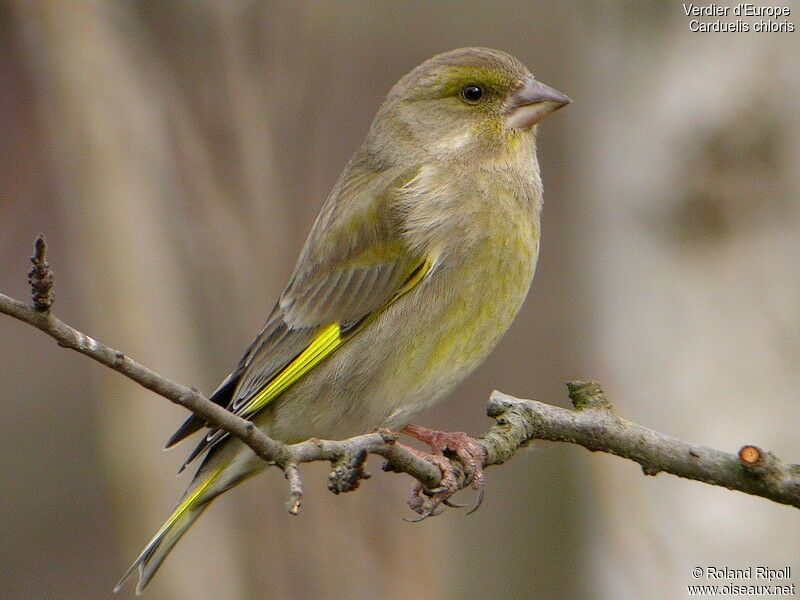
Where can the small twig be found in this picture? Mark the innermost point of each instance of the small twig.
(592, 425)
(292, 474)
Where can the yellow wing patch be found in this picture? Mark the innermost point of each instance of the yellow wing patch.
(328, 340)
(323, 345)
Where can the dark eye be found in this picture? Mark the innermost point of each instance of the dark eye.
(472, 93)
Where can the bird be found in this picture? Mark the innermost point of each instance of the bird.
(417, 264)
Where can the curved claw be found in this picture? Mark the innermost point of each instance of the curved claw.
(478, 502)
(419, 518)
(451, 504)
(416, 519)
(470, 454)
(433, 511)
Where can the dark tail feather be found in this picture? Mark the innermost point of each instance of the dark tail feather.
(222, 397)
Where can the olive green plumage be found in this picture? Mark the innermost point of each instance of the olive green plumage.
(415, 267)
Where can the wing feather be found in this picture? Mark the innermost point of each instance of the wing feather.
(354, 264)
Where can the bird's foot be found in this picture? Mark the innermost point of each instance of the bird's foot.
(470, 454)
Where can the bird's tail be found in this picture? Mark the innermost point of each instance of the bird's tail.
(191, 506)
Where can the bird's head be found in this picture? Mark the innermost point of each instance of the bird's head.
(463, 102)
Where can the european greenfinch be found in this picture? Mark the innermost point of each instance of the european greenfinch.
(416, 266)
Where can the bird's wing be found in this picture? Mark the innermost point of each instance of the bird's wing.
(354, 264)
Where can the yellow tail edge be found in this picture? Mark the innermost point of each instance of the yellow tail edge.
(173, 528)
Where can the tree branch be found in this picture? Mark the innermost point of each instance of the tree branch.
(592, 425)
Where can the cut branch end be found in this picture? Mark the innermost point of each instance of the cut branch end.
(751, 456)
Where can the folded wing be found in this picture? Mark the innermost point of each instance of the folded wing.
(354, 265)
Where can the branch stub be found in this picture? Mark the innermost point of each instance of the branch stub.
(587, 394)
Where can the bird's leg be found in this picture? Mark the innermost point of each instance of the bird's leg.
(425, 502)
(468, 451)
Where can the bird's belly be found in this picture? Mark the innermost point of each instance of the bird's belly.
(414, 353)
(475, 309)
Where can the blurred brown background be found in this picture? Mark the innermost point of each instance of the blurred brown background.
(175, 156)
